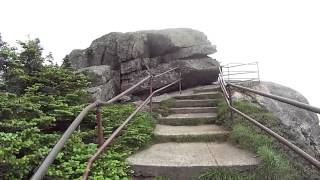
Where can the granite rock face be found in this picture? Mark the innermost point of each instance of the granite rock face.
(105, 81)
(134, 55)
(301, 126)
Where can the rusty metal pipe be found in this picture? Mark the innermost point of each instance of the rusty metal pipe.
(282, 140)
(158, 75)
(109, 140)
(293, 147)
(57, 148)
(43, 168)
(117, 131)
(125, 92)
(180, 85)
(151, 89)
(281, 99)
(237, 73)
(258, 71)
(100, 138)
(238, 64)
(224, 90)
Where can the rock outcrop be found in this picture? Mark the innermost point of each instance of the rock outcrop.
(131, 56)
(300, 126)
(105, 82)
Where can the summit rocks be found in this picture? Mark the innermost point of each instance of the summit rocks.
(129, 57)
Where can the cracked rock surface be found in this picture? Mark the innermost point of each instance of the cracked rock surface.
(131, 56)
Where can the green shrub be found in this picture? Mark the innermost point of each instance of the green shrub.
(72, 161)
(39, 101)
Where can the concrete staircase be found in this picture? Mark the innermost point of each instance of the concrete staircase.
(188, 142)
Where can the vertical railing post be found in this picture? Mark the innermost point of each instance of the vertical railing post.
(230, 100)
(180, 85)
(100, 138)
(151, 90)
(258, 71)
(228, 74)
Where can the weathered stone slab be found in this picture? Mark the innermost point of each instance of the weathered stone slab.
(135, 54)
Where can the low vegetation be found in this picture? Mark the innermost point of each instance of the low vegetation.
(111, 164)
(38, 101)
(164, 106)
(275, 163)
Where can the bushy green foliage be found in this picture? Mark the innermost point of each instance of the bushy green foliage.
(71, 163)
(36, 98)
(38, 101)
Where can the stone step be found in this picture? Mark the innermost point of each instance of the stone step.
(207, 89)
(195, 103)
(201, 133)
(193, 110)
(188, 119)
(203, 95)
(184, 161)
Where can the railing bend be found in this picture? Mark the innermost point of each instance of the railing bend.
(118, 130)
(228, 97)
(43, 168)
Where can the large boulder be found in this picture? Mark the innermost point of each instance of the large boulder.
(194, 72)
(137, 54)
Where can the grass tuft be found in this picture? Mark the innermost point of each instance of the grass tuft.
(225, 174)
(275, 163)
(163, 107)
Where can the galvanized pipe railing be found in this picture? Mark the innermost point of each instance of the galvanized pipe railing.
(230, 65)
(118, 130)
(251, 75)
(43, 168)
(279, 98)
(282, 140)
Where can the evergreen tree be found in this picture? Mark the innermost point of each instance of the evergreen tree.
(37, 98)
(66, 62)
(39, 102)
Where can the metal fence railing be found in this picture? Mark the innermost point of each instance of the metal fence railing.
(43, 168)
(226, 90)
(241, 72)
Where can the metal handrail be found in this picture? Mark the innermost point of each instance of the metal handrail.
(240, 72)
(231, 72)
(117, 131)
(165, 72)
(281, 99)
(43, 168)
(238, 64)
(281, 139)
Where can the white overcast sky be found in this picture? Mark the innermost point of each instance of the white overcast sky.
(282, 35)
